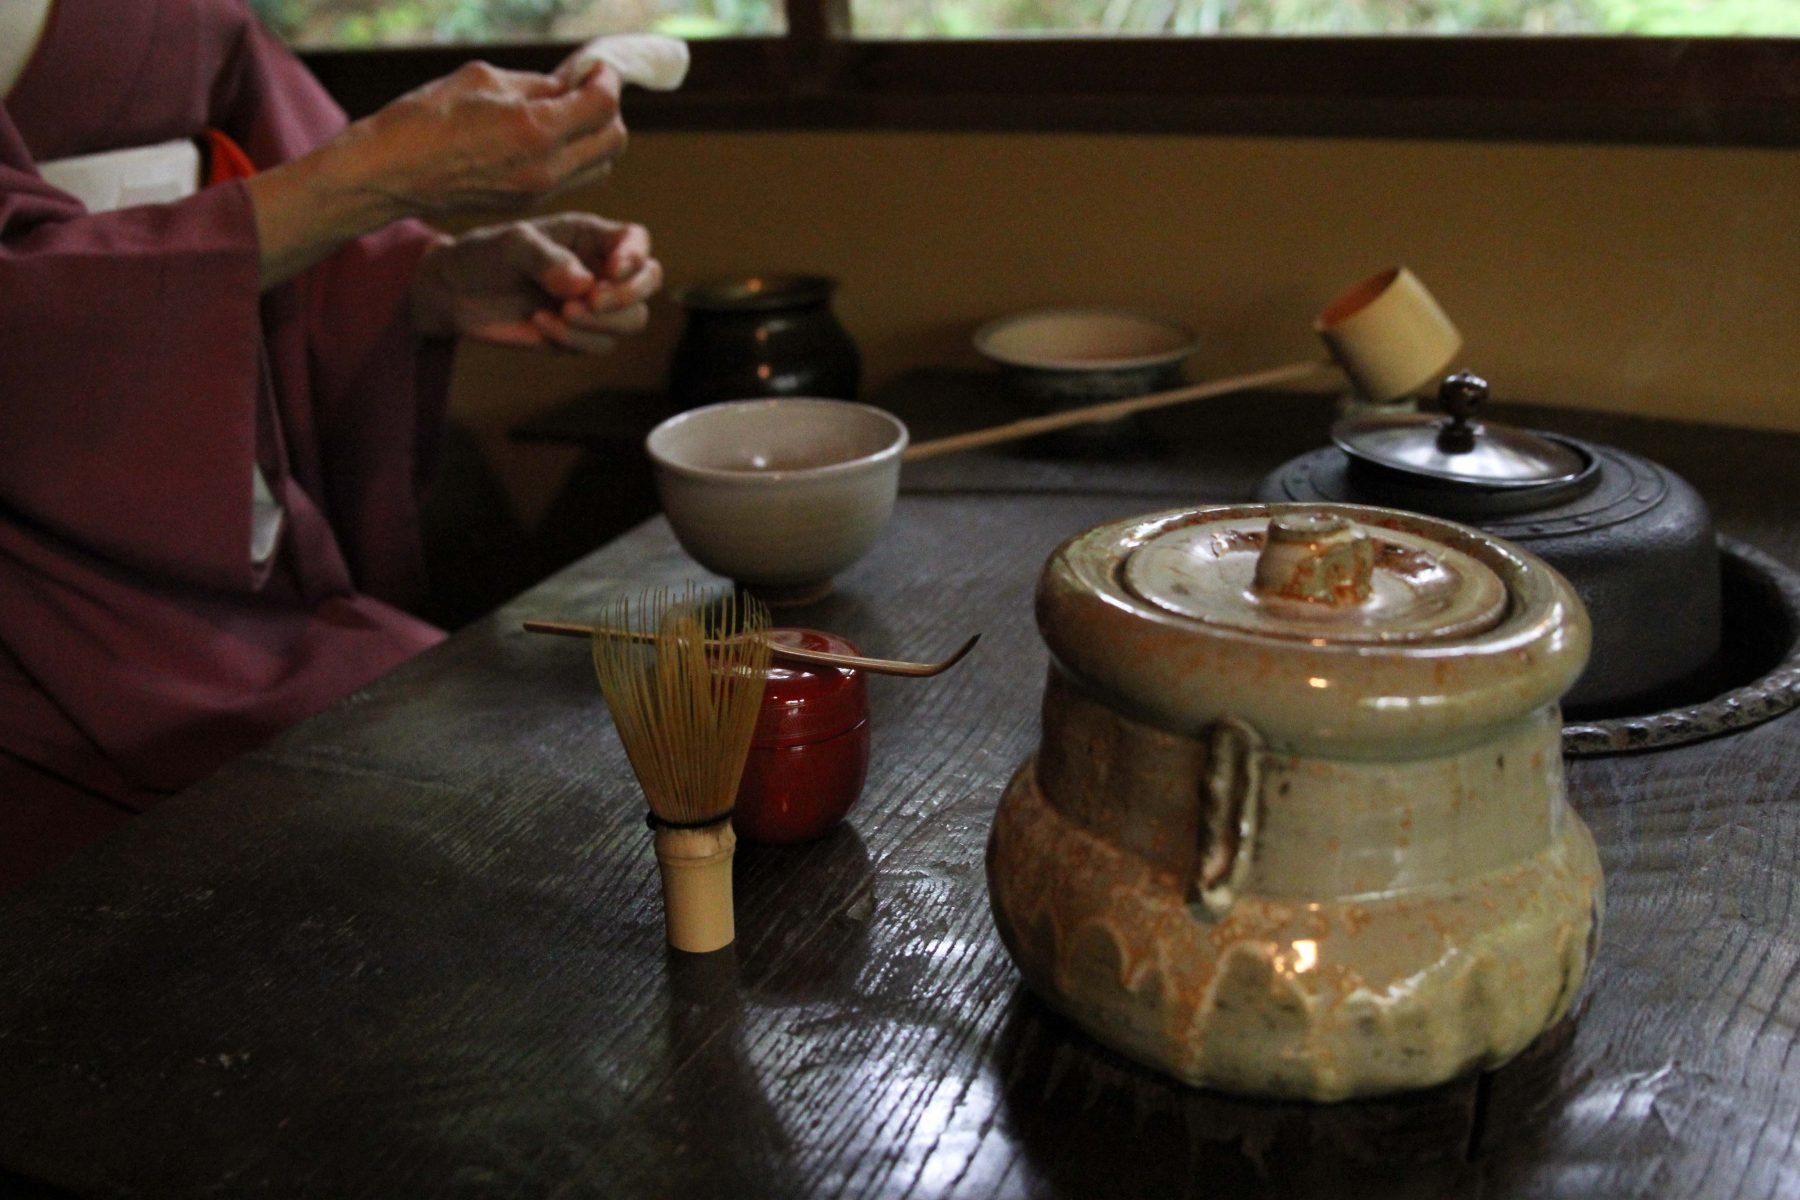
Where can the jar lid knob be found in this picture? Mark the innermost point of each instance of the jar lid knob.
(1318, 557)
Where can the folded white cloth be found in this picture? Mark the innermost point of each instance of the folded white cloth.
(125, 178)
(647, 59)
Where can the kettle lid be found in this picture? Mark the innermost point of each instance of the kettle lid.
(1455, 448)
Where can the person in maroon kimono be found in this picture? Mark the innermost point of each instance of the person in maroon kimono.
(217, 414)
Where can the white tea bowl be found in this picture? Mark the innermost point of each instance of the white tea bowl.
(778, 495)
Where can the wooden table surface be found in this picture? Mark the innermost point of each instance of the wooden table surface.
(415, 947)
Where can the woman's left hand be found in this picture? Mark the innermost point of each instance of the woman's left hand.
(572, 281)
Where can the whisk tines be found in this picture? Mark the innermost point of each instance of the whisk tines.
(685, 710)
(684, 700)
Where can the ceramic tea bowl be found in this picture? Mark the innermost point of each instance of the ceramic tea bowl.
(1063, 357)
(778, 495)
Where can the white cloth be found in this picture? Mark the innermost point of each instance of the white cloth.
(126, 178)
(649, 60)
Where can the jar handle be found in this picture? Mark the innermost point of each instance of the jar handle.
(1228, 813)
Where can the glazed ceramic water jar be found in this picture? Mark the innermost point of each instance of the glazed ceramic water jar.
(1296, 826)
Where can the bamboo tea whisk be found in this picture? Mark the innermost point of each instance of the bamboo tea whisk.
(685, 710)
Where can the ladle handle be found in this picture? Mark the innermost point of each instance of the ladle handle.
(1110, 410)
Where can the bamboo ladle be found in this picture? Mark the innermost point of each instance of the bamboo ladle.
(1110, 410)
(1387, 334)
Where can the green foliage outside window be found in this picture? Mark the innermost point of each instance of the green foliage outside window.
(401, 22)
(396, 22)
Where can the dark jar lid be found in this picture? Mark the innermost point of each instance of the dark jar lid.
(756, 293)
(804, 704)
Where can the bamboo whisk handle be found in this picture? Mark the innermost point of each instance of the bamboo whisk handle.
(696, 879)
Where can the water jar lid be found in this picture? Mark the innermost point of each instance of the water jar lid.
(1317, 577)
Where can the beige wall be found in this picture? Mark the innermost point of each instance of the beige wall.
(1660, 281)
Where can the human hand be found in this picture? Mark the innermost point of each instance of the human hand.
(572, 281)
(479, 139)
(490, 140)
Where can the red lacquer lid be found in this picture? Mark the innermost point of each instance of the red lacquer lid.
(808, 704)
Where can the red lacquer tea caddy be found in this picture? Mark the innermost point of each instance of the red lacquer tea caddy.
(810, 752)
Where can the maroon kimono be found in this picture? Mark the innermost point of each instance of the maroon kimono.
(142, 372)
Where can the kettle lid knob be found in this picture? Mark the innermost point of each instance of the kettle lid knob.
(1461, 397)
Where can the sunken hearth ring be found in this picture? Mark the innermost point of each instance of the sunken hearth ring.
(1762, 649)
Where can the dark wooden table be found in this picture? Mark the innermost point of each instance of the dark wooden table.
(415, 947)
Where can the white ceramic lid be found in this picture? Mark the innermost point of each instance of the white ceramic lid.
(1316, 577)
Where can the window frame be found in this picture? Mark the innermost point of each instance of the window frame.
(1729, 91)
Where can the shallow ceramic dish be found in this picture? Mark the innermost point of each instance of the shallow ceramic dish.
(778, 495)
(1066, 356)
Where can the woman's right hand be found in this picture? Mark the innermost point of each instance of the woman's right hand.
(481, 139)
(485, 139)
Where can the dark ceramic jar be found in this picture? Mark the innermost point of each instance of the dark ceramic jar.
(810, 751)
(762, 335)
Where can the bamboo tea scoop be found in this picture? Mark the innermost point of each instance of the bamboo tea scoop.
(1110, 410)
(815, 658)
